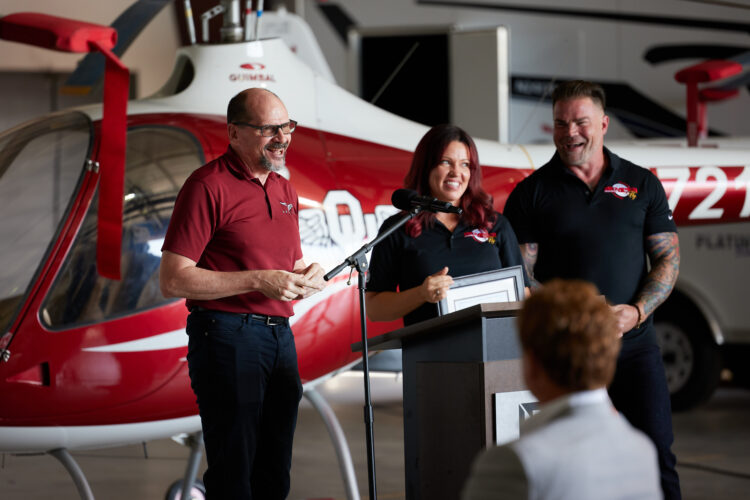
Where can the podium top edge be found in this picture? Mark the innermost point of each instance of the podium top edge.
(393, 339)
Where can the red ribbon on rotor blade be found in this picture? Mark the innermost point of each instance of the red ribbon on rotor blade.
(112, 164)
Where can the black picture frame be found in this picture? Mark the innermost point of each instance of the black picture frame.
(502, 285)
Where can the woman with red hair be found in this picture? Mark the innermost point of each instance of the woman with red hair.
(411, 270)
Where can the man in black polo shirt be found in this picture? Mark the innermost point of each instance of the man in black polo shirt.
(589, 214)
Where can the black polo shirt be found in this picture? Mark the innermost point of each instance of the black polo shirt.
(403, 262)
(596, 236)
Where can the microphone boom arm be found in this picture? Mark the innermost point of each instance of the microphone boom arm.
(356, 259)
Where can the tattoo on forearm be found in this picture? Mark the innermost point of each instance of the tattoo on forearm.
(664, 253)
(529, 252)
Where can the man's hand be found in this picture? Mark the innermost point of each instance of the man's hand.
(626, 316)
(435, 286)
(314, 274)
(286, 286)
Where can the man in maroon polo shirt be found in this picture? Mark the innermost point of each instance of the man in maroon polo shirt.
(233, 251)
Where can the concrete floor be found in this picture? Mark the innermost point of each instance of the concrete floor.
(712, 444)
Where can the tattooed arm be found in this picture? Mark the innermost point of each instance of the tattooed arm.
(664, 253)
(529, 253)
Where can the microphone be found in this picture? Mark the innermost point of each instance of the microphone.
(405, 199)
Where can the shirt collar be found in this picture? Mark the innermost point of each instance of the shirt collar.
(552, 409)
(461, 226)
(583, 398)
(576, 399)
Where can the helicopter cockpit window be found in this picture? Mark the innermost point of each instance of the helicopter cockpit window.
(158, 161)
(41, 164)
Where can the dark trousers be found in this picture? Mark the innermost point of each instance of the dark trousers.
(639, 391)
(244, 374)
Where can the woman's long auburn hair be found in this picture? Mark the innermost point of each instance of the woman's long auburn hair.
(476, 203)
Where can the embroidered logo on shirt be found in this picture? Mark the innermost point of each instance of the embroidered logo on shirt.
(288, 208)
(481, 236)
(622, 190)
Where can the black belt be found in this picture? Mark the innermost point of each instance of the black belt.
(269, 320)
(263, 318)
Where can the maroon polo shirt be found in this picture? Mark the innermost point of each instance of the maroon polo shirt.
(226, 220)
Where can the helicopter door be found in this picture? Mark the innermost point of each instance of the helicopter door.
(42, 168)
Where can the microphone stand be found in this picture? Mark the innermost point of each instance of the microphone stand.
(358, 262)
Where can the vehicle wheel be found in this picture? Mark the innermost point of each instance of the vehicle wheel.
(197, 492)
(692, 360)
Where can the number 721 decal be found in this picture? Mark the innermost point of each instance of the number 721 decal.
(707, 192)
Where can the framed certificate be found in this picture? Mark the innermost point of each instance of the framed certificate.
(503, 285)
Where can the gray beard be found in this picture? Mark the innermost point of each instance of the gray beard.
(266, 163)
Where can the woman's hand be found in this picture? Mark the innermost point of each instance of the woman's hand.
(388, 306)
(435, 286)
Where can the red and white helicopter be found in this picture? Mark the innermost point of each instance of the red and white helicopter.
(90, 361)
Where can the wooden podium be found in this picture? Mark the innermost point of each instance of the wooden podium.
(452, 366)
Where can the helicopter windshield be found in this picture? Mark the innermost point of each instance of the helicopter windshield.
(158, 160)
(41, 164)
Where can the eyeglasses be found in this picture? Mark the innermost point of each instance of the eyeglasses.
(271, 130)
